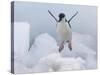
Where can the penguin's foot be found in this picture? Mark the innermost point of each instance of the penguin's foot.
(70, 49)
(61, 47)
(70, 46)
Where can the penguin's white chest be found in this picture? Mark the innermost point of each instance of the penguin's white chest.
(64, 32)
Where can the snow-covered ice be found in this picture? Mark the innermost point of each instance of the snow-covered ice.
(44, 56)
(57, 63)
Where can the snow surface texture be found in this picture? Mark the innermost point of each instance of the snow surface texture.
(44, 56)
(57, 63)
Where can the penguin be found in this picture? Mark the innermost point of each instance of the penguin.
(64, 32)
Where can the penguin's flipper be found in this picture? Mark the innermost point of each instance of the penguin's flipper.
(72, 17)
(53, 16)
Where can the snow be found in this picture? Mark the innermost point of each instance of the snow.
(58, 63)
(44, 56)
(43, 45)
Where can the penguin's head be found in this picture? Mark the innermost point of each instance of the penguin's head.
(61, 16)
